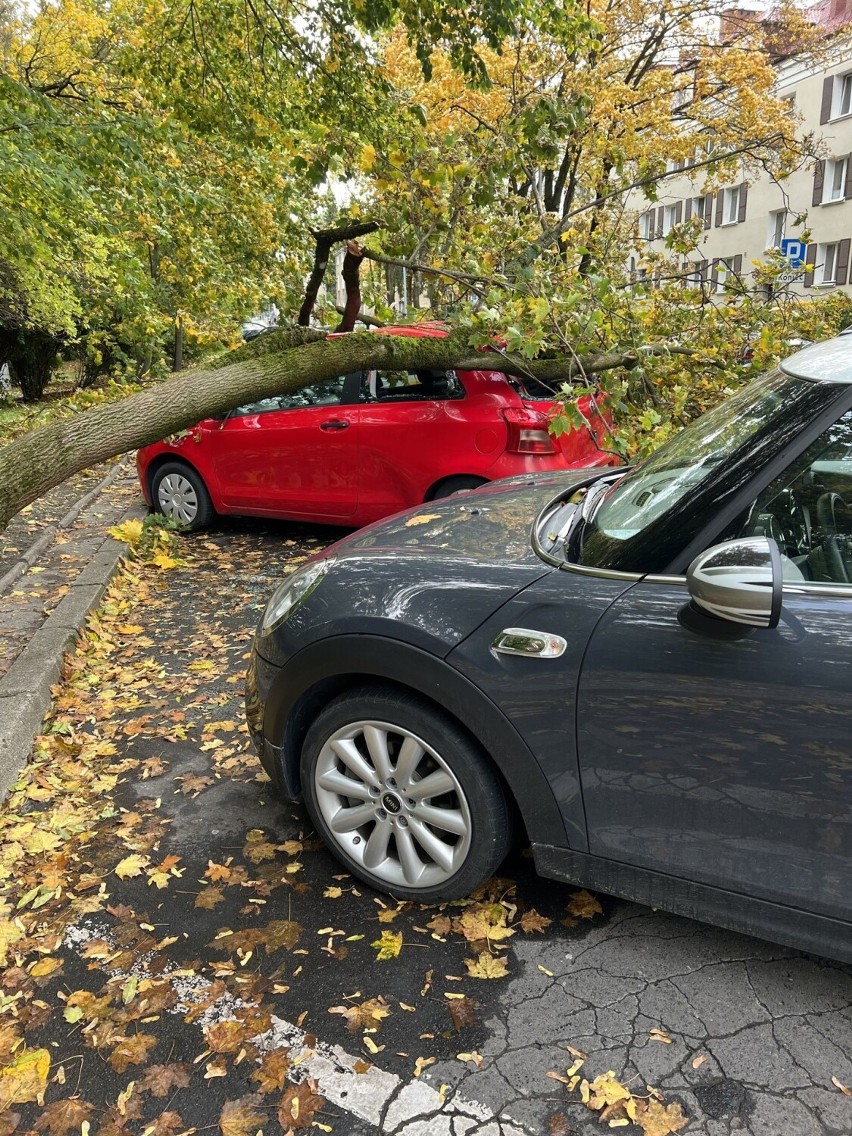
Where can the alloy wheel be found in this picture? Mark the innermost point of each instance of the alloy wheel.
(393, 804)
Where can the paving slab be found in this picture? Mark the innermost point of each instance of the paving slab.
(46, 591)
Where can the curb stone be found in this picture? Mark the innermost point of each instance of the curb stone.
(25, 689)
(43, 542)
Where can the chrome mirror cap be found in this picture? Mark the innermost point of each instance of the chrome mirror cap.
(739, 581)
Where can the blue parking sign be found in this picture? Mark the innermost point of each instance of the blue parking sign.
(794, 251)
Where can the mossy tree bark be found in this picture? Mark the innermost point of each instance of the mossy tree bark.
(276, 363)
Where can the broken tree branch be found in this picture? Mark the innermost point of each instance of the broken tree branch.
(351, 275)
(325, 239)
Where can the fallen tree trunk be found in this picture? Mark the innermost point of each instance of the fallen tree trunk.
(275, 363)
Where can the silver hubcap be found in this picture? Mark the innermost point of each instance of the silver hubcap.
(393, 804)
(177, 498)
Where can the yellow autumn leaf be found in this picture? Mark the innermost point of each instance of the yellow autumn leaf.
(367, 158)
(45, 967)
(41, 841)
(657, 1119)
(388, 945)
(422, 519)
(163, 561)
(129, 532)
(606, 1090)
(26, 1078)
(131, 865)
(487, 966)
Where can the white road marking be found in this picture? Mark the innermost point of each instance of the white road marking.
(405, 1108)
(385, 1100)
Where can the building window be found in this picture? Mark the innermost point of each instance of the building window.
(827, 257)
(723, 273)
(777, 223)
(669, 219)
(789, 103)
(731, 209)
(699, 207)
(835, 180)
(842, 95)
(693, 278)
(646, 225)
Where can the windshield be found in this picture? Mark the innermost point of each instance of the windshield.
(654, 510)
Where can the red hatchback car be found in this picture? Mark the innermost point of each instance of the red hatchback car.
(359, 447)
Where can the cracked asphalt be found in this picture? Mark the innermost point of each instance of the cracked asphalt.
(748, 1035)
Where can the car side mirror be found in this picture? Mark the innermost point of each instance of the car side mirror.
(738, 582)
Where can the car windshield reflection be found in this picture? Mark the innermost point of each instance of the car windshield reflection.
(655, 508)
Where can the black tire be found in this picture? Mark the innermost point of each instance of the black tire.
(196, 514)
(480, 804)
(461, 484)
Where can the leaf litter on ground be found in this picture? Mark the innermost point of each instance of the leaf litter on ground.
(94, 902)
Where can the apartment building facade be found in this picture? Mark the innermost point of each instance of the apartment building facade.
(753, 214)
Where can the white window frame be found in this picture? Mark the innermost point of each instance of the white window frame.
(842, 95)
(731, 206)
(693, 277)
(699, 207)
(834, 186)
(669, 214)
(777, 228)
(646, 224)
(827, 261)
(723, 273)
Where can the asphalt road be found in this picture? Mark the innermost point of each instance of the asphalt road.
(250, 922)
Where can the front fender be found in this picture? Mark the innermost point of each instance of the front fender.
(293, 694)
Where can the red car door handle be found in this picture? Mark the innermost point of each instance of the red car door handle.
(334, 424)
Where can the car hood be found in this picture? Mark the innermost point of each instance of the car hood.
(433, 574)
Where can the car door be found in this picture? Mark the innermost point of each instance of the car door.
(295, 455)
(538, 694)
(406, 419)
(728, 761)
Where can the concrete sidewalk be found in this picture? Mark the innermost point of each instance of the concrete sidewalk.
(56, 560)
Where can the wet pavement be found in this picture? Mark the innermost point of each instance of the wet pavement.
(194, 926)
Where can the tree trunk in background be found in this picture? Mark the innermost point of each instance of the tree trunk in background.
(179, 333)
(32, 357)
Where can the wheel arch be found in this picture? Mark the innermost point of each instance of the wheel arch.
(329, 667)
(433, 489)
(170, 458)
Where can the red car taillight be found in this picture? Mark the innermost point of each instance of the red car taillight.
(528, 433)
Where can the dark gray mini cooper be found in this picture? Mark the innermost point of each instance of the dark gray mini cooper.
(648, 672)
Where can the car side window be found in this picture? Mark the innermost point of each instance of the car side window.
(808, 510)
(411, 386)
(329, 392)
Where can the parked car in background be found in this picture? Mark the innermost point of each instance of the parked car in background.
(650, 672)
(359, 447)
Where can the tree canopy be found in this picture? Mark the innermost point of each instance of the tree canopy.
(164, 165)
